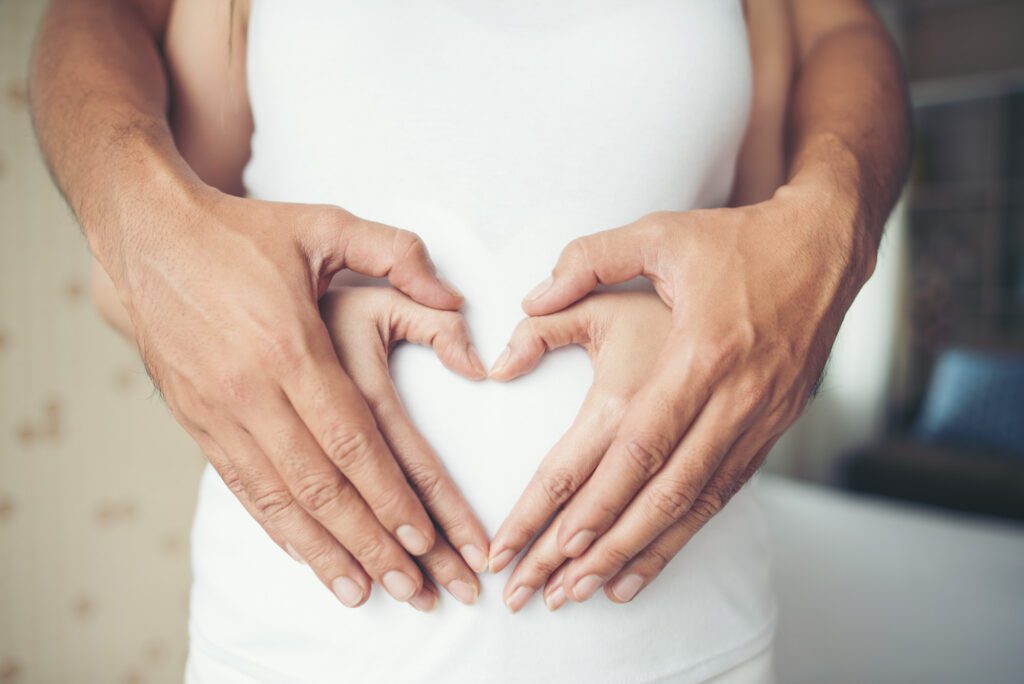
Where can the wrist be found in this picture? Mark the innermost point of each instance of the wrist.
(145, 185)
(827, 199)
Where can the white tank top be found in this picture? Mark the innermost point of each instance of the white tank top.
(498, 131)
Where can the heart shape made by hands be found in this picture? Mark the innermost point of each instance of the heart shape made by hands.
(491, 436)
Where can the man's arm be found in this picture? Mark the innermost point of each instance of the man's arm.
(221, 296)
(757, 293)
(848, 127)
(99, 102)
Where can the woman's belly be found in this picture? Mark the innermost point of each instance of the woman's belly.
(491, 436)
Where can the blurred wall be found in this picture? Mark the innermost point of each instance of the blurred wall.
(97, 483)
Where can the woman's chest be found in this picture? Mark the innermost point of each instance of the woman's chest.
(503, 117)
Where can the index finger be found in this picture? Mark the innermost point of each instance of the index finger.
(661, 411)
(336, 414)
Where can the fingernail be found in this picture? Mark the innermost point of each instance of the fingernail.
(293, 553)
(474, 360)
(399, 585)
(475, 558)
(501, 361)
(585, 588)
(451, 289)
(502, 559)
(424, 601)
(412, 539)
(579, 543)
(627, 587)
(348, 591)
(518, 598)
(464, 591)
(556, 599)
(540, 289)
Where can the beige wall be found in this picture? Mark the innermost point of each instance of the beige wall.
(97, 483)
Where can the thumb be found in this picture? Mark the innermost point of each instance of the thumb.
(537, 335)
(376, 250)
(609, 257)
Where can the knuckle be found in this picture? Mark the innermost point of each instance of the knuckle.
(615, 557)
(708, 504)
(236, 387)
(729, 490)
(718, 495)
(544, 566)
(558, 486)
(752, 397)
(318, 554)
(529, 328)
(577, 251)
(659, 556)
(380, 401)
(715, 358)
(670, 502)
(656, 224)
(604, 509)
(611, 406)
(454, 324)
(318, 492)
(282, 350)
(372, 551)
(519, 533)
(333, 215)
(442, 566)
(409, 245)
(456, 529)
(387, 499)
(524, 328)
(187, 407)
(273, 503)
(752, 469)
(647, 453)
(347, 447)
(425, 480)
(233, 481)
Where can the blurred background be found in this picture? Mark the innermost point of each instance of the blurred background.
(895, 502)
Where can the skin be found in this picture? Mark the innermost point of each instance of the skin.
(757, 294)
(221, 293)
(749, 299)
(623, 333)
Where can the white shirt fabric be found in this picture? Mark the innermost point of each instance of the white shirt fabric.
(498, 131)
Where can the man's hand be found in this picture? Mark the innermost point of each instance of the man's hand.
(757, 295)
(365, 324)
(222, 293)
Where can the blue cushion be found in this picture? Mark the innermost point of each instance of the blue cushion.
(975, 398)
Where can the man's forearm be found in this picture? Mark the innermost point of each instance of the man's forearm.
(99, 101)
(848, 121)
(108, 304)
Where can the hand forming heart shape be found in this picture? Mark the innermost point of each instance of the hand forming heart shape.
(491, 437)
